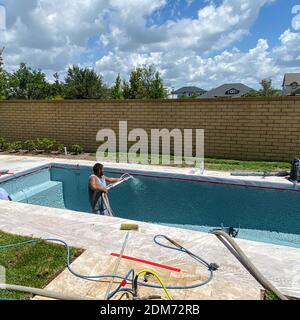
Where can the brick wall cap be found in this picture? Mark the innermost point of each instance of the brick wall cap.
(157, 101)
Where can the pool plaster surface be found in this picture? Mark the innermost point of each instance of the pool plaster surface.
(101, 236)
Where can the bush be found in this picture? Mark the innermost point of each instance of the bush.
(61, 148)
(2, 143)
(77, 149)
(15, 146)
(46, 144)
(29, 145)
(5, 146)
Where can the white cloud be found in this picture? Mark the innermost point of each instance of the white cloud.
(50, 34)
(288, 53)
(47, 23)
(296, 19)
(215, 27)
(119, 62)
(2, 18)
(233, 65)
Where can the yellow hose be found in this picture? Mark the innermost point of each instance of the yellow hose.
(155, 275)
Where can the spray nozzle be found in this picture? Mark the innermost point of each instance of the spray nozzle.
(126, 176)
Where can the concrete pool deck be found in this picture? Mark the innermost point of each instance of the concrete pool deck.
(100, 236)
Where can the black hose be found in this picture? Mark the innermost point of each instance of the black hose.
(261, 174)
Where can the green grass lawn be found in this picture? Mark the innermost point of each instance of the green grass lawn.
(223, 164)
(270, 296)
(33, 265)
(236, 165)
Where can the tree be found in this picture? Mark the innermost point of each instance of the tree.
(1, 58)
(116, 90)
(80, 83)
(57, 87)
(137, 86)
(28, 84)
(84, 83)
(253, 94)
(126, 90)
(3, 78)
(146, 83)
(267, 90)
(157, 88)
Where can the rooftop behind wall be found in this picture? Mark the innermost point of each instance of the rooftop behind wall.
(247, 129)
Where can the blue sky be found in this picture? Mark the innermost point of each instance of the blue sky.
(191, 42)
(272, 20)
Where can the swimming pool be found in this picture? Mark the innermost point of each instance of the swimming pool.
(262, 213)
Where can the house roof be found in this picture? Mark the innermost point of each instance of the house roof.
(185, 90)
(289, 78)
(296, 92)
(221, 91)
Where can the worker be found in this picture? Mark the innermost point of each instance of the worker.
(97, 185)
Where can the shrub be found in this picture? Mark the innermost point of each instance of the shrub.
(5, 146)
(2, 143)
(46, 144)
(15, 146)
(39, 144)
(29, 145)
(61, 148)
(77, 149)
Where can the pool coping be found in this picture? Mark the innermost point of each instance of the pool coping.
(187, 174)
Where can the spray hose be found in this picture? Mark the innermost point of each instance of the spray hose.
(211, 267)
(124, 177)
(233, 247)
(107, 204)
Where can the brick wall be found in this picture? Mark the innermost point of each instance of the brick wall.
(250, 129)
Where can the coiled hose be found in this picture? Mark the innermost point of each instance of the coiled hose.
(211, 267)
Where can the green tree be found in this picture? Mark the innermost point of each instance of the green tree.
(253, 94)
(28, 84)
(84, 83)
(3, 78)
(157, 88)
(116, 90)
(1, 58)
(137, 86)
(266, 90)
(57, 88)
(126, 90)
(146, 83)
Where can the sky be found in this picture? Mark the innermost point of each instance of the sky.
(191, 42)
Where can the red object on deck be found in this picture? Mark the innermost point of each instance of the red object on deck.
(7, 173)
(154, 264)
(123, 283)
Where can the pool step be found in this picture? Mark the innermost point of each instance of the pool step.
(49, 193)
